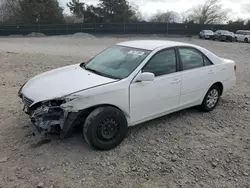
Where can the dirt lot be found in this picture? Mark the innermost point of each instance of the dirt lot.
(186, 149)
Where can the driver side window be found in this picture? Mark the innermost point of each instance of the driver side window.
(162, 63)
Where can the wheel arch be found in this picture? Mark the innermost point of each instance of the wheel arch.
(83, 114)
(220, 85)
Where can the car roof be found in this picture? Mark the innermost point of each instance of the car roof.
(152, 44)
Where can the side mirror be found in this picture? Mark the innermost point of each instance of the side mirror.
(145, 77)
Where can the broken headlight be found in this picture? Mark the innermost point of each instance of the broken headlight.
(54, 103)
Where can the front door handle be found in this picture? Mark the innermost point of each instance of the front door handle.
(175, 81)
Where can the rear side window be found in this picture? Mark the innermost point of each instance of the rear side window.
(190, 58)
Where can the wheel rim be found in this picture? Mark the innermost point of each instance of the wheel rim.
(212, 98)
(107, 129)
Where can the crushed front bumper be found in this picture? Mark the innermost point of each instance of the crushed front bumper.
(52, 119)
(47, 119)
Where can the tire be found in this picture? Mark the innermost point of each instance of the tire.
(105, 128)
(246, 40)
(213, 91)
(235, 39)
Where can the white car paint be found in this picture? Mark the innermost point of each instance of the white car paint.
(140, 101)
(147, 99)
(242, 35)
(60, 82)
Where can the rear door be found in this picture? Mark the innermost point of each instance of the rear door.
(197, 76)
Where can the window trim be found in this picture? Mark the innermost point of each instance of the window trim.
(178, 68)
(193, 48)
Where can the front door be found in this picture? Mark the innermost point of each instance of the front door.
(155, 98)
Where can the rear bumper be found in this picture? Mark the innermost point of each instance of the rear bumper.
(228, 84)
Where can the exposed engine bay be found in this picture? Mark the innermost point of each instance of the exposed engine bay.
(50, 117)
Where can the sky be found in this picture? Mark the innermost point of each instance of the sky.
(236, 8)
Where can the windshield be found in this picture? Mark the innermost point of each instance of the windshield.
(117, 62)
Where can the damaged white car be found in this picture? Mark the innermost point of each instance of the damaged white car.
(127, 84)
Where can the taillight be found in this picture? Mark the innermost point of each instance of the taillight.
(235, 68)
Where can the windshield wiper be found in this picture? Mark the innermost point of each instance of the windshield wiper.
(83, 65)
(92, 70)
(100, 73)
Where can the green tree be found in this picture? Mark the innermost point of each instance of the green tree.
(41, 11)
(116, 11)
(77, 8)
(105, 11)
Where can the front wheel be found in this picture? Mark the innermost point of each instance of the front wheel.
(211, 99)
(246, 40)
(105, 128)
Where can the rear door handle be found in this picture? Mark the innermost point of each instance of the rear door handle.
(175, 81)
(211, 72)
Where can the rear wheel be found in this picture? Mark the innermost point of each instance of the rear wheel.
(211, 99)
(105, 128)
(246, 40)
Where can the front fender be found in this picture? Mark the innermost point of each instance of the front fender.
(118, 98)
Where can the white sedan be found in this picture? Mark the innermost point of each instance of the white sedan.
(126, 84)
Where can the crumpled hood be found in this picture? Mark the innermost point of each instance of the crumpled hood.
(60, 82)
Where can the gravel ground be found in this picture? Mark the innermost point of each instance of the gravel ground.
(186, 149)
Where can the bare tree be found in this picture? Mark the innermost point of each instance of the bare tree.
(209, 12)
(167, 17)
(8, 10)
